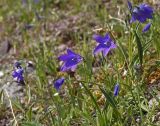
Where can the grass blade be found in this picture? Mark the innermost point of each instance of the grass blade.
(140, 48)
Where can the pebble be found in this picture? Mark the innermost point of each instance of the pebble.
(153, 102)
(56, 94)
(30, 67)
(13, 90)
(4, 48)
(1, 74)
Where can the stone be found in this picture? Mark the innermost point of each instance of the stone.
(1, 74)
(12, 90)
(4, 48)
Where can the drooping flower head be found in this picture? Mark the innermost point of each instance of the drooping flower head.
(71, 60)
(105, 44)
(17, 65)
(146, 27)
(141, 13)
(58, 83)
(17, 73)
(129, 5)
(116, 89)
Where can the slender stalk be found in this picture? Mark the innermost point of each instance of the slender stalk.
(10, 103)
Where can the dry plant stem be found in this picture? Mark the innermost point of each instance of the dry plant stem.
(10, 104)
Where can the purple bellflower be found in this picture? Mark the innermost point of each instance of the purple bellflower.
(71, 60)
(146, 27)
(141, 13)
(116, 89)
(18, 75)
(58, 83)
(129, 5)
(105, 44)
(17, 65)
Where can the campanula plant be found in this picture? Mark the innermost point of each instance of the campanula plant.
(91, 96)
(141, 13)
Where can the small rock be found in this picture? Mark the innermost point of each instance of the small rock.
(153, 102)
(4, 48)
(1, 74)
(61, 47)
(138, 120)
(56, 94)
(28, 26)
(13, 90)
(30, 67)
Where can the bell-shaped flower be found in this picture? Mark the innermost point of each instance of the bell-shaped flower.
(105, 44)
(71, 60)
(58, 83)
(17, 74)
(116, 89)
(146, 27)
(141, 13)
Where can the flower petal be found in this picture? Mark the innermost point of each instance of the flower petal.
(20, 78)
(113, 45)
(106, 37)
(70, 52)
(133, 18)
(129, 5)
(73, 68)
(146, 27)
(106, 51)
(20, 71)
(14, 74)
(58, 83)
(65, 57)
(99, 48)
(69, 64)
(17, 65)
(142, 13)
(101, 39)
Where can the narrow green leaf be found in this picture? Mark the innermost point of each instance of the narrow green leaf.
(92, 97)
(108, 97)
(18, 105)
(140, 48)
(112, 103)
(144, 107)
(29, 113)
(110, 114)
(145, 48)
(32, 123)
(1, 97)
